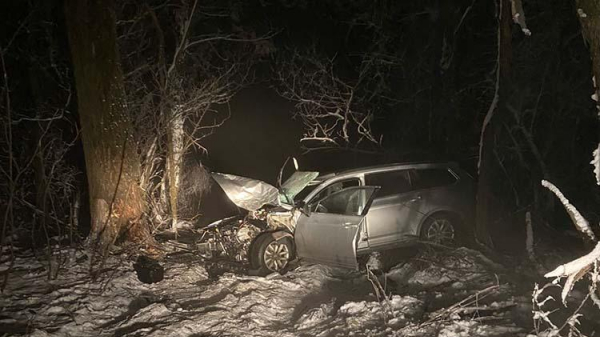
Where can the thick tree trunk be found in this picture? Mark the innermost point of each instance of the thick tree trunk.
(489, 172)
(589, 16)
(112, 164)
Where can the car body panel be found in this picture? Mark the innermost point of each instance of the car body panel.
(331, 238)
(396, 220)
(390, 216)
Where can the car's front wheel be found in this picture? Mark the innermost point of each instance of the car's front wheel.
(272, 255)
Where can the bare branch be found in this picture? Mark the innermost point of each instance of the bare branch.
(578, 220)
(183, 39)
(333, 110)
(519, 16)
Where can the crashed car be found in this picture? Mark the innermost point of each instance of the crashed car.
(334, 218)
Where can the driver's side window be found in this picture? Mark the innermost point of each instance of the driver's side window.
(346, 202)
(332, 188)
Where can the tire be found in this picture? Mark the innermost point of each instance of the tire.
(270, 255)
(441, 229)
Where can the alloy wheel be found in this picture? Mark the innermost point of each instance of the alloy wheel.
(276, 256)
(441, 231)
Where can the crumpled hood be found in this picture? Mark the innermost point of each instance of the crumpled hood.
(252, 194)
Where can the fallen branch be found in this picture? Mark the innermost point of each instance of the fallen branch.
(574, 271)
(470, 301)
(380, 293)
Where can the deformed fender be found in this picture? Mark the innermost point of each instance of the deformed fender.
(278, 235)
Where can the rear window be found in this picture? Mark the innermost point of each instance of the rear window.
(394, 182)
(430, 178)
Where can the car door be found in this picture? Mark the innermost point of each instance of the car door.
(437, 186)
(327, 231)
(395, 213)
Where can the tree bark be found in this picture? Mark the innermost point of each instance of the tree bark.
(589, 17)
(175, 161)
(112, 164)
(489, 172)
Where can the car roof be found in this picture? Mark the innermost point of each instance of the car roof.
(384, 167)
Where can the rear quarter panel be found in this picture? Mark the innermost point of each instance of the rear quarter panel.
(458, 198)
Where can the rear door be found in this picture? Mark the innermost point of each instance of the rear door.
(395, 213)
(438, 186)
(328, 232)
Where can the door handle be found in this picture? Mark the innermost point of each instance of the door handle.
(415, 199)
(349, 225)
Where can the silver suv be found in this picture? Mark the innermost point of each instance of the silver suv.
(335, 217)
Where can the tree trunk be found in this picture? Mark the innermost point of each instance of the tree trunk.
(39, 163)
(112, 164)
(175, 162)
(489, 171)
(589, 16)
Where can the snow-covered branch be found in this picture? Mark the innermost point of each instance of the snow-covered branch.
(596, 163)
(578, 220)
(333, 109)
(519, 16)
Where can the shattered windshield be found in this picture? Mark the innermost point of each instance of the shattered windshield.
(305, 192)
(294, 185)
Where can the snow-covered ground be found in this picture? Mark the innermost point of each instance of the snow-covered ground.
(312, 300)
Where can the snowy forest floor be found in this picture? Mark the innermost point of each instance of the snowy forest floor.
(431, 293)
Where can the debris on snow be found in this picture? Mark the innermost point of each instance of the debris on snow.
(148, 270)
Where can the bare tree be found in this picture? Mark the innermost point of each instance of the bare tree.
(584, 267)
(178, 92)
(492, 126)
(588, 12)
(38, 185)
(113, 167)
(336, 112)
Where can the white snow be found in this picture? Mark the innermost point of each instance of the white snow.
(313, 300)
(596, 163)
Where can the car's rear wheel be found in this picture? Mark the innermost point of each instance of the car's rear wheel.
(441, 229)
(272, 255)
